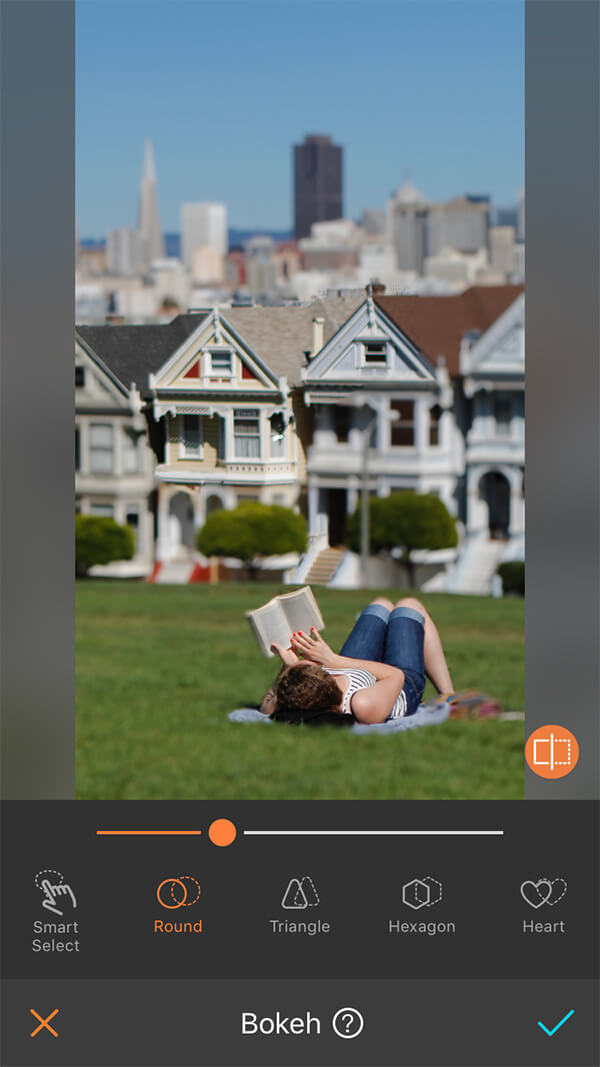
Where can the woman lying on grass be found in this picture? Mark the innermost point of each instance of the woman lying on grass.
(378, 675)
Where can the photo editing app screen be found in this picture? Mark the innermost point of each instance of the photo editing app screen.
(283, 780)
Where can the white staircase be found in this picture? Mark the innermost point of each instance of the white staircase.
(325, 566)
(476, 567)
(176, 571)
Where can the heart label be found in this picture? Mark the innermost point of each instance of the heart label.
(544, 891)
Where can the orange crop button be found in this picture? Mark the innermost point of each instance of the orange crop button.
(222, 832)
(552, 751)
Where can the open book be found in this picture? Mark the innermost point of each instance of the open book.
(282, 616)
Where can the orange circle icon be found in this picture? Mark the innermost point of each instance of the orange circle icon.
(222, 832)
(171, 882)
(551, 751)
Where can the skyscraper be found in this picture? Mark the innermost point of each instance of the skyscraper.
(151, 238)
(317, 182)
(408, 212)
(461, 223)
(203, 224)
(123, 251)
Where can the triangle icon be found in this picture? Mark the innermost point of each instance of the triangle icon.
(310, 893)
(294, 896)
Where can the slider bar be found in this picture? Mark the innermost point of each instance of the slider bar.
(146, 833)
(374, 833)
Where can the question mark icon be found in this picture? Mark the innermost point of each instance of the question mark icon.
(347, 1023)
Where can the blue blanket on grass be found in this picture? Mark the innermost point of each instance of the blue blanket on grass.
(429, 714)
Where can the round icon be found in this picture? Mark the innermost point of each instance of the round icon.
(180, 896)
(348, 1023)
(551, 751)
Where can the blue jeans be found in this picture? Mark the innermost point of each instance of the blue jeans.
(392, 637)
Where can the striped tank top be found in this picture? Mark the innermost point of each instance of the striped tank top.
(360, 679)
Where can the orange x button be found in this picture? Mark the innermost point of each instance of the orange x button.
(44, 1022)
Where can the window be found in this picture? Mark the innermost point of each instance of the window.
(502, 407)
(79, 377)
(277, 436)
(342, 422)
(191, 436)
(403, 429)
(130, 451)
(246, 433)
(220, 437)
(132, 518)
(434, 424)
(221, 364)
(376, 352)
(105, 511)
(101, 448)
(77, 449)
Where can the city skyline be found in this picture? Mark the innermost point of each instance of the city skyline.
(455, 121)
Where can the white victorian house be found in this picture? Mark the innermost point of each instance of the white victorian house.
(492, 368)
(114, 464)
(371, 380)
(422, 393)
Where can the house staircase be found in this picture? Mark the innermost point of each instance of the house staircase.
(474, 571)
(184, 569)
(325, 566)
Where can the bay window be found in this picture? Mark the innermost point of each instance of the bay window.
(246, 433)
(190, 441)
(403, 429)
(101, 448)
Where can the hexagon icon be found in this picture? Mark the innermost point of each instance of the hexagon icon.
(416, 894)
(422, 892)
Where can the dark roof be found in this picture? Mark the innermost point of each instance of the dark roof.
(436, 324)
(134, 352)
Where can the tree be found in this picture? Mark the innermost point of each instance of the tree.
(99, 539)
(408, 521)
(252, 531)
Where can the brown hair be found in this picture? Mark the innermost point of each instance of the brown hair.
(306, 693)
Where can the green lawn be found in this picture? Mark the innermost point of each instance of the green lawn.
(159, 667)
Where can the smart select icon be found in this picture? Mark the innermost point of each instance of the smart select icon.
(54, 890)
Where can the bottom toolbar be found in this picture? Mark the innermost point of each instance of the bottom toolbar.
(155, 1023)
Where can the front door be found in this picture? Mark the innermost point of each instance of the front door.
(336, 509)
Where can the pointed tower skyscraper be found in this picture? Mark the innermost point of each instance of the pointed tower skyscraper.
(151, 238)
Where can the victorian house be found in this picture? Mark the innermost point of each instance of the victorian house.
(422, 393)
(223, 412)
(114, 464)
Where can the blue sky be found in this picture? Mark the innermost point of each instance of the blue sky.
(225, 88)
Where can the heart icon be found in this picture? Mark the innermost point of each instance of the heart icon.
(559, 888)
(537, 893)
(544, 891)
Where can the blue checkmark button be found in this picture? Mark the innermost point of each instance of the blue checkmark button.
(558, 1025)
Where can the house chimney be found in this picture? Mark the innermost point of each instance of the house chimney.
(318, 336)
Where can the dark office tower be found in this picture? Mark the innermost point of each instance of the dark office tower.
(317, 182)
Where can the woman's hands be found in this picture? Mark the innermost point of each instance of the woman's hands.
(314, 648)
(287, 655)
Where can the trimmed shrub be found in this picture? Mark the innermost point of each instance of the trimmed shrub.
(513, 577)
(100, 540)
(408, 521)
(252, 531)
